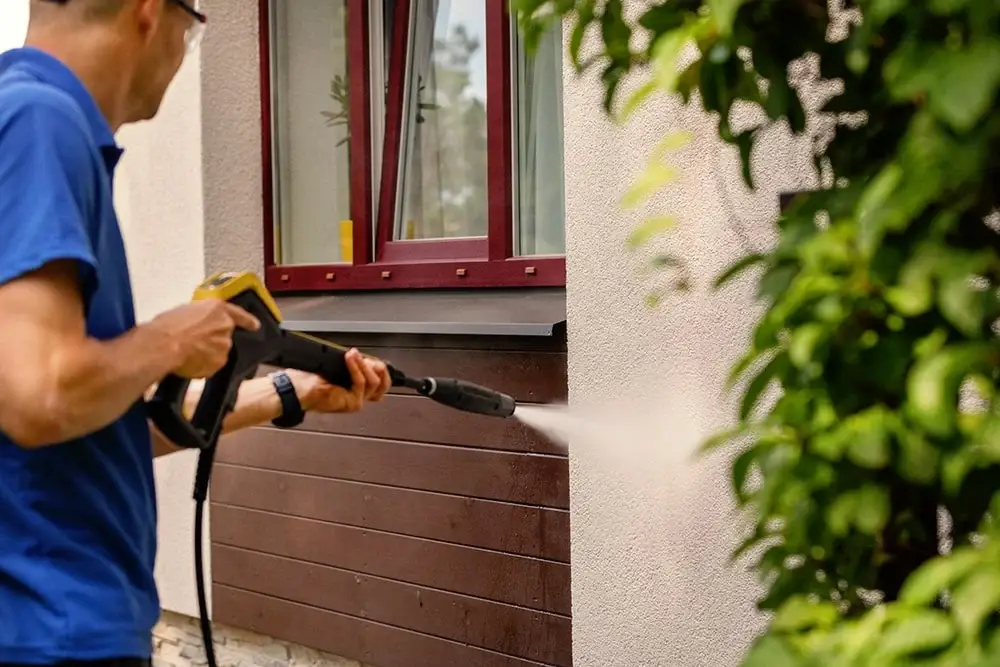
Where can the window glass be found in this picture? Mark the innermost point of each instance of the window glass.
(539, 188)
(443, 175)
(310, 114)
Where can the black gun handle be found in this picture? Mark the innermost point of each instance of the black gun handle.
(218, 398)
(308, 354)
(166, 409)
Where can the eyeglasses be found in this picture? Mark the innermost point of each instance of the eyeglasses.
(192, 38)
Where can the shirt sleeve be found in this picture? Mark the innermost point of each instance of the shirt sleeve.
(48, 186)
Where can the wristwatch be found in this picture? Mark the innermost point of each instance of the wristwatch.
(292, 413)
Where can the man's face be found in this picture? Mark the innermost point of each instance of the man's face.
(161, 31)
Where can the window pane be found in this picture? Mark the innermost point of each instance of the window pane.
(311, 148)
(443, 175)
(539, 182)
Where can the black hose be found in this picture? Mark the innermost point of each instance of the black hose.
(199, 574)
(202, 477)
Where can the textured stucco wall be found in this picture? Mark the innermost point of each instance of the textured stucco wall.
(650, 541)
(159, 203)
(230, 86)
(13, 23)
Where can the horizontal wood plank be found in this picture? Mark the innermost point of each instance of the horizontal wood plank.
(507, 629)
(513, 477)
(415, 418)
(529, 377)
(518, 529)
(354, 638)
(520, 580)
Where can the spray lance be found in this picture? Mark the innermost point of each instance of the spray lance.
(273, 345)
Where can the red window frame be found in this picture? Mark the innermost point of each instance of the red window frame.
(487, 262)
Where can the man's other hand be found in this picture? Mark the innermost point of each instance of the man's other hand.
(371, 382)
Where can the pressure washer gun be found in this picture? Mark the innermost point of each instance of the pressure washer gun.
(273, 345)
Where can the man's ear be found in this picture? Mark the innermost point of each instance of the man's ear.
(145, 15)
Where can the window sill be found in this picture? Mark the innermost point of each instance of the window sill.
(539, 313)
(472, 273)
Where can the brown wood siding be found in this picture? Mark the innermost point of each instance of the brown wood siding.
(409, 534)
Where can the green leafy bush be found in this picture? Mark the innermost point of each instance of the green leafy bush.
(880, 301)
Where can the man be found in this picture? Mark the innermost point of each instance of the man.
(77, 504)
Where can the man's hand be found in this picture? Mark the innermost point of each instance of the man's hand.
(201, 333)
(371, 382)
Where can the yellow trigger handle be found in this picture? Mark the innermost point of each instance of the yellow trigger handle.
(226, 285)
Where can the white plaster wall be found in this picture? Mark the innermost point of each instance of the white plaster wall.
(158, 195)
(650, 542)
(13, 23)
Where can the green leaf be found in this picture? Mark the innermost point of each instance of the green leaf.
(771, 651)
(927, 582)
(739, 267)
(915, 293)
(745, 362)
(776, 280)
(757, 386)
(926, 630)
(961, 303)
(745, 142)
(964, 84)
(649, 182)
(724, 13)
(584, 18)
(665, 55)
(946, 7)
(975, 599)
(804, 343)
(741, 469)
(866, 509)
(873, 204)
(918, 459)
(648, 229)
(840, 514)
(635, 100)
(725, 437)
(800, 613)
(662, 18)
(881, 11)
(934, 382)
(872, 509)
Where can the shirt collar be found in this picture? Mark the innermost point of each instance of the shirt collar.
(51, 70)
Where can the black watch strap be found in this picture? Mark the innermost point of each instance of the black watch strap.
(292, 413)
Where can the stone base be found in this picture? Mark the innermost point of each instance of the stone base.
(177, 643)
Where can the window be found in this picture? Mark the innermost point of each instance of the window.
(409, 143)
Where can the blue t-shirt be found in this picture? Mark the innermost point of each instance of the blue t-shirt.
(77, 519)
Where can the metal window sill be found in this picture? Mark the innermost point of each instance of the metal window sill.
(536, 313)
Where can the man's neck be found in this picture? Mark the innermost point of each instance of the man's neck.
(94, 61)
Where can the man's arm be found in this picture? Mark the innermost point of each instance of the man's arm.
(57, 384)
(256, 403)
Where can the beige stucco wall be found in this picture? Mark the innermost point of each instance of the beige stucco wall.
(13, 23)
(230, 87)
(651, 538)
(158, 192)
